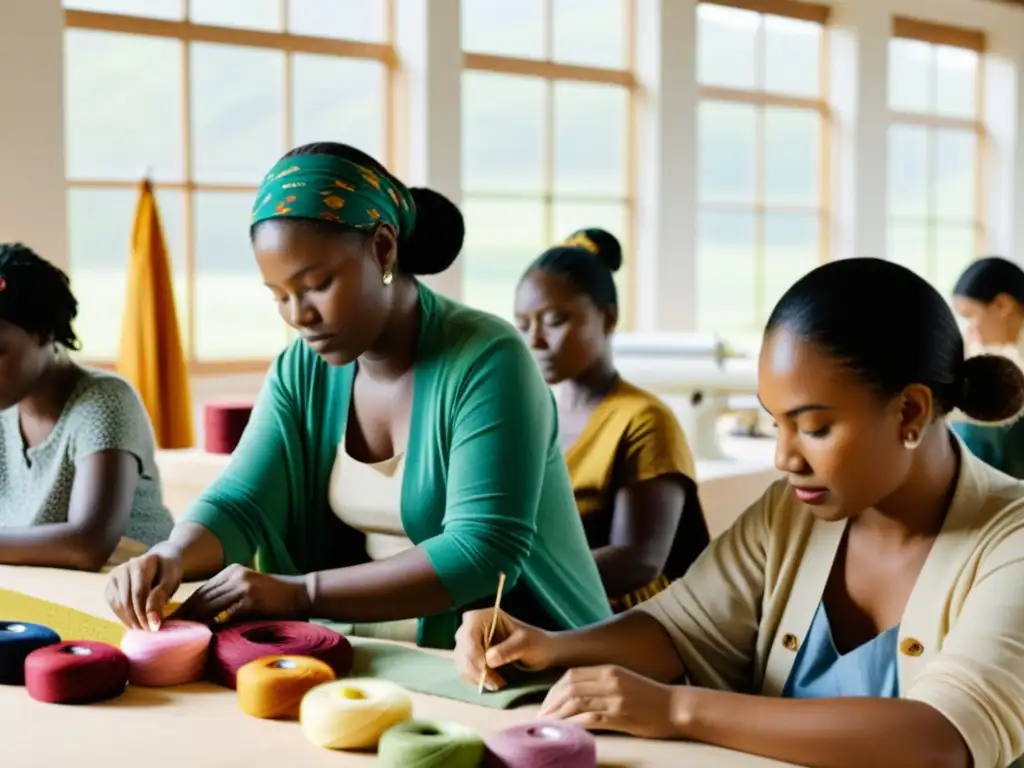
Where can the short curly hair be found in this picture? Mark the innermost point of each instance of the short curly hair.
(36, 296)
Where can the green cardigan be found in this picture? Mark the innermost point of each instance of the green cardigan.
(485, 486)
(1000, 446)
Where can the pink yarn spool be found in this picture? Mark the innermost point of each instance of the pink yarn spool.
(174, 655)
(541, 744)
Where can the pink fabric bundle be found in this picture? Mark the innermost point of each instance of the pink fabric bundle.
(541, 744)
(174, 655)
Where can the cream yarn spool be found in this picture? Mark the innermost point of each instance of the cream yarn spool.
(352, 714)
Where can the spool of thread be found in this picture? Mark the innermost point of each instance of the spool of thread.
(17, 641)
(273, 687)
(223, 424)
(352, 714)
(78, 672)
(174, 655)
(235, 646)
(541, 744)
(426, 744)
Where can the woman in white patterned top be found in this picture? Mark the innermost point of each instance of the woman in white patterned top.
(79, 487)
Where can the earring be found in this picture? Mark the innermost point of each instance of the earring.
(912, 440)
(388, 277)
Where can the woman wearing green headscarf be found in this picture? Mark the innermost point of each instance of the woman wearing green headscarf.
(402, 454)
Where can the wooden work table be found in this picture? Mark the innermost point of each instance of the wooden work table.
(201, 724)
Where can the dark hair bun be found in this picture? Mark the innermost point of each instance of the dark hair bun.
(437, 240)
(993, 389)
(602, 244)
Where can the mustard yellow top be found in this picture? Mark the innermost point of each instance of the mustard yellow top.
(742, 611)
(632, 436)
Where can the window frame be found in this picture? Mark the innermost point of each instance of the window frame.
(186, 32)
(551, 71)
(761, 100)
(906, 28)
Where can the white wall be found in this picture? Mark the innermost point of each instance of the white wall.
(32, 199)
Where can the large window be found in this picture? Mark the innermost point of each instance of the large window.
(205, 103)
(936, 222)
(546, 136)
(762, 218)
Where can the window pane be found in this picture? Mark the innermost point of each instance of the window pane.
(100, 223)
(727, 46)
(792, 144)
(154, 9)
(503, 132)
(502, 238)
(957, 71)
(338, 100)
(235, 314)
(910, 75)
(347, 19)
(504, 28)
(908, 245)
(791, 249)
(612, 217)
(908, 170)
(589, 32)
(955, 248)
(237, 112)
(726, 265)
(123, 101)
(249, 14)
(727, 136)
(792, 56)
(590, 155)
(955, 165)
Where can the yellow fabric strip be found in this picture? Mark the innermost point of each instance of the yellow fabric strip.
(66, 622)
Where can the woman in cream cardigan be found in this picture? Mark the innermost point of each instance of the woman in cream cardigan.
(866, 611)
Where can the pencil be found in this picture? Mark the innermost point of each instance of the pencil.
(490, 633)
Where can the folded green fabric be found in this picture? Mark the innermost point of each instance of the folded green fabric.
(429, 673)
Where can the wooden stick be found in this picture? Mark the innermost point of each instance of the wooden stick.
(490, 633)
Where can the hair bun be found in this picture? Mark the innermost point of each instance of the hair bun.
(602, 244)
(993, 389)
(437, 240)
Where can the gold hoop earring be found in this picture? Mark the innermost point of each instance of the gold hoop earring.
(388, 277)
(912, 440)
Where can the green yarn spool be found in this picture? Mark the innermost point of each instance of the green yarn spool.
(425, 744)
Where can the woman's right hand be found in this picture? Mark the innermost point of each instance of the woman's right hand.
(138, 589)
(513, 642)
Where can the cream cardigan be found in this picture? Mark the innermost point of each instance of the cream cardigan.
(740, 613)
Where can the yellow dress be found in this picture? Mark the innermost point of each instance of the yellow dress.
(632, 436)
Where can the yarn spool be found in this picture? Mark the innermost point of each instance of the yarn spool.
(223, 424)
(79, 672)
(541, 744)
(235, 646)
(17, 641)
(427, 744)
(352, 714)
(273, 687)
(174, 655)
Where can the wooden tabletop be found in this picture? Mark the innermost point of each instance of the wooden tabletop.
(201, 724)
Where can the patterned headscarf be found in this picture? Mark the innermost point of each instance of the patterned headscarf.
(334, 189)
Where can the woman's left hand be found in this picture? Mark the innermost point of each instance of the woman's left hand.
(238, 592)
(615, 699)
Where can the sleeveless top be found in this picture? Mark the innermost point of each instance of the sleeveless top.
(820, 671)
(368, 498)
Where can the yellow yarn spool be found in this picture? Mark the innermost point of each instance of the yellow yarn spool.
(273, 687)
(352, 714)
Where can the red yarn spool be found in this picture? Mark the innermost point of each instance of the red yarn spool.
(235, 646)
(224, 422)
(77, 672)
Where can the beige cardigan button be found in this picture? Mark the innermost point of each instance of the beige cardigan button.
(789, 642)
(911, 647)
